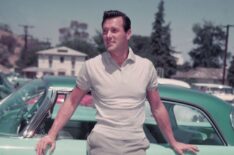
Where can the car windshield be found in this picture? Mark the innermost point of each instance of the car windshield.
(29, 94)
(16, 105)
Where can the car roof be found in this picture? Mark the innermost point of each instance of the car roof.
(216, 109)
(194, 97)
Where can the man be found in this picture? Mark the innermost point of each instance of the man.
(120, 82)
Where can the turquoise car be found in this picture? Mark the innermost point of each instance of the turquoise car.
(28, 113)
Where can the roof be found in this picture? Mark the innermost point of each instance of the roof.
(62, 51)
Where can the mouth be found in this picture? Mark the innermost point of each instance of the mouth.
(108, 44)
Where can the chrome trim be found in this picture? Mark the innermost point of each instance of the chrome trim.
(232, 117)
(40, 115)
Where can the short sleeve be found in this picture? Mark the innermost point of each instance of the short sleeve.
(153, 78)
(83, 79)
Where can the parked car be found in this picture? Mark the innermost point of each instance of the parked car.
(174, 82)
(27, 114)
(223, 92)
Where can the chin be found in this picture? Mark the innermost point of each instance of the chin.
(110, 49)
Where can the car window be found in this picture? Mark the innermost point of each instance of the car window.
(189, 124)
(60, 98)
(21, 105)
(73, 129)
(193, 126)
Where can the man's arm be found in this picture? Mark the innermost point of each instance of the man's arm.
(66, 111)
(160, 114)
(64, 114)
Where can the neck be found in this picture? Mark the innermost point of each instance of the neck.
(119, 56)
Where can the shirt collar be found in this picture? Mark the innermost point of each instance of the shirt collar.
(131, 55)
(130, 59)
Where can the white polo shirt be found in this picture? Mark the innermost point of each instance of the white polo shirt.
(119, 93)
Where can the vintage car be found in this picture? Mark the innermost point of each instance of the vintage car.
(196, 118)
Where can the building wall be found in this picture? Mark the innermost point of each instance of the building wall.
(58, 66)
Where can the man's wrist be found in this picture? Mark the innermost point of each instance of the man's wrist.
(52, 135)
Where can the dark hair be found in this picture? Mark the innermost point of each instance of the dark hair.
(115, 13)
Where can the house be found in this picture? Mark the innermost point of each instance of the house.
(57, 61)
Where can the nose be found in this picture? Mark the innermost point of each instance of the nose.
(108, 34)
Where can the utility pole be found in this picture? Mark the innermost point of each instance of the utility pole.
(225, 52)
(47, 43)
(23, 54)
(26, 27)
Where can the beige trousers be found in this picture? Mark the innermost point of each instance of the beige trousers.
(99, 144)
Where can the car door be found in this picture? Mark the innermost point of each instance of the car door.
(26, 146)
(190, 125)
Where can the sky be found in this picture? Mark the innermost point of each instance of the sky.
(47, 16)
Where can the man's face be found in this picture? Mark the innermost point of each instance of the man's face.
(114, 36)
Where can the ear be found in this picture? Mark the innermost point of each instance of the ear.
(129, 34)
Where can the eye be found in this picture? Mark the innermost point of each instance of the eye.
(114, 30)
(104, 31)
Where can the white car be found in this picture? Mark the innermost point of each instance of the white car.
(174, 82)
(223, 92)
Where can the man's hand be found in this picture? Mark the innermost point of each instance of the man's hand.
(44, 143)
(180, 148)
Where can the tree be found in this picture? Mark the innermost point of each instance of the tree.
(99, 44)
(76, 30)
(82, 46)
(161, 44)
(9, 41)
(4, 56)
(209, 41)
(29, 57)
(185, 67)
(140, 45)
(8, 44)
(75, 36)
(5, 27)
(230, 75)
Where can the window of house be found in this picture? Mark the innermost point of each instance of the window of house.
(61, 73)
(61, 59)
(73, 61)
(50, 61)
(73, 73)
(48, 73)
